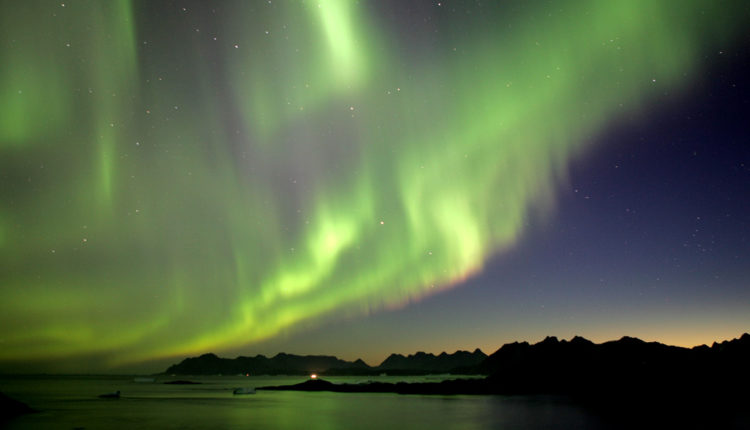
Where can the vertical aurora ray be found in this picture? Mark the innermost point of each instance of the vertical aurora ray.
(213, 188)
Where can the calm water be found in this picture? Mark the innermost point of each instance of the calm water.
(70, 402)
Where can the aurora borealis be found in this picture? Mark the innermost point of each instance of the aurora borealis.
(184, 177)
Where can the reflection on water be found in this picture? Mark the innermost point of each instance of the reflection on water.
(71, 402)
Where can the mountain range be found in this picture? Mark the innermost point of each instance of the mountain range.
(290, 364)
(628, 383)
(517, 366)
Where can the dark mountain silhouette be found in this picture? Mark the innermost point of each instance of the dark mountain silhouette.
(629, 382)
(11, 408)
(417, 364)
(280, 364)
(580, 366)
(576, 366)
(434, 363)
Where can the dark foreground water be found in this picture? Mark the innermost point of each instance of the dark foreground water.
(71, 402)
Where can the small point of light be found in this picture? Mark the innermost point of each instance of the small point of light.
(314, 376)
(382, 222)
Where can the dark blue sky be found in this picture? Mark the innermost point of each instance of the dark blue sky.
(649, 238)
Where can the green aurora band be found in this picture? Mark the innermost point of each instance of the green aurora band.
(176, 190)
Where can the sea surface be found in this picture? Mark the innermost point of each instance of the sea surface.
(72, 402)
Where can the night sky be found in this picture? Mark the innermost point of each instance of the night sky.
(360, 178)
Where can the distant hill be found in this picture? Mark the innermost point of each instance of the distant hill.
(11, 408)
(551, 365)
(632, 383)
(579, 365)
(289, 364)
(434, 363)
